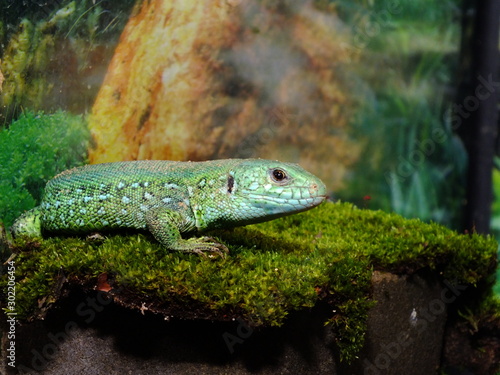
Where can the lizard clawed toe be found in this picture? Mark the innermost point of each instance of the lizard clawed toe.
(204, 245)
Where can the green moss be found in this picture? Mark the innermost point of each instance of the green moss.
(273, 269)
(34, 149)
(485, 312)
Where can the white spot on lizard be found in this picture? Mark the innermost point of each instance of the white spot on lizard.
(171, 186)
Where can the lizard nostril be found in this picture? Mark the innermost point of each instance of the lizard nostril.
(317, 189)
(313, 189)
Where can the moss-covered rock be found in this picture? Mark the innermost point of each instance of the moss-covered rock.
(327, 254)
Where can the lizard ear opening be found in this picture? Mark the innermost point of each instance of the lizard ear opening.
(230, 184)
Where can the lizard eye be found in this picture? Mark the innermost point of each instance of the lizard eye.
(278, 175)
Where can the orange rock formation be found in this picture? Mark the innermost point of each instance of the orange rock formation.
(205, 79)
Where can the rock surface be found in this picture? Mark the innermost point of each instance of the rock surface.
(91, 335)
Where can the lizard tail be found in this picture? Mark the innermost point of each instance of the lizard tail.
(28, 224)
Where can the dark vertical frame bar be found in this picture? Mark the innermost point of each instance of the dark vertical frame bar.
(482, 123)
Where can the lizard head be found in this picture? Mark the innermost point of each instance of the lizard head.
(260, 190)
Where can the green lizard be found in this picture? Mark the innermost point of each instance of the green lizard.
(169, 198)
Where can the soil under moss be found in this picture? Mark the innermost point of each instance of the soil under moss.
(326, 254)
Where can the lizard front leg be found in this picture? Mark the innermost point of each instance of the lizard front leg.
(164, 226)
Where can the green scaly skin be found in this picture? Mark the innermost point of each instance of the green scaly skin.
(169, 198)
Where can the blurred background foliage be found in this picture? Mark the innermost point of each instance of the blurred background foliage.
(406, 80)
(34, 149)
(54, 53)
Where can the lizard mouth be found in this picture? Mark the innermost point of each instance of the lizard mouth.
(298, 204)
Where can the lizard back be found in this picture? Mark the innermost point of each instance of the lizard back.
(119, 195)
